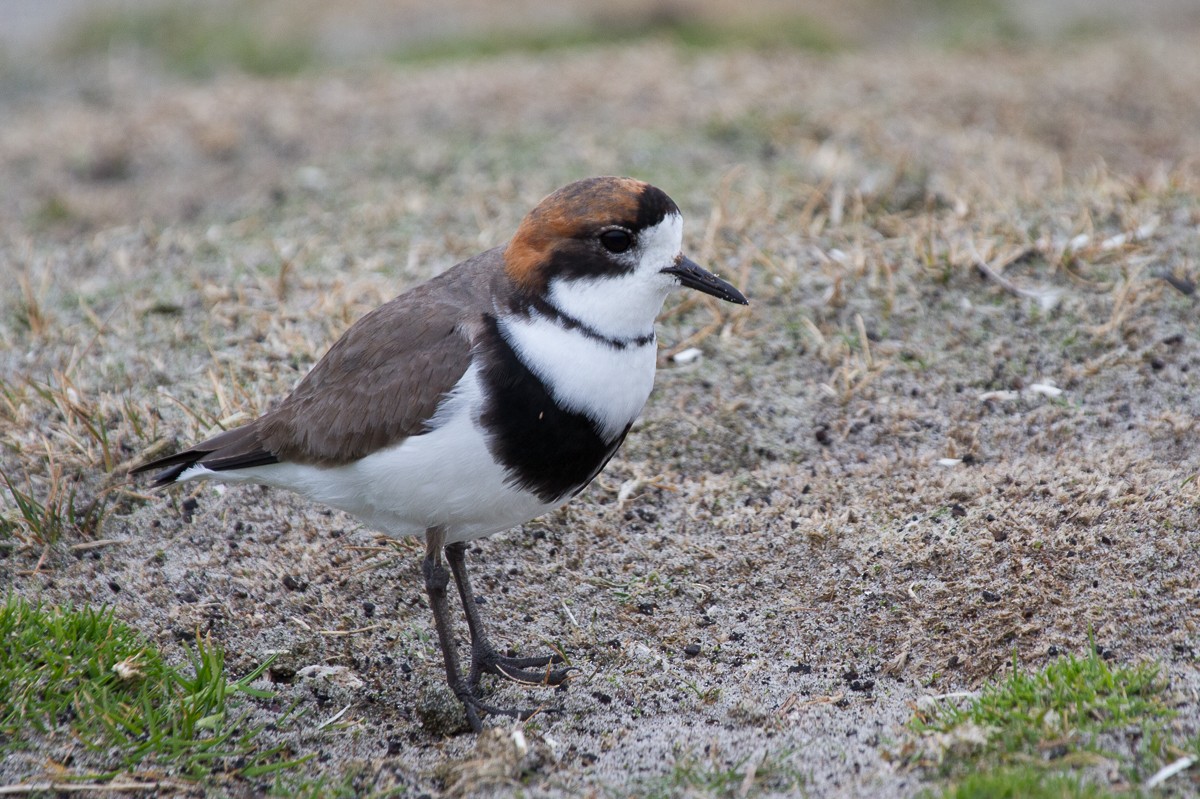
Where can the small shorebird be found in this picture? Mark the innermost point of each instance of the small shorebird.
(481, 399)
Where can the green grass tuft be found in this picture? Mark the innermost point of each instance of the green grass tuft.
(1075, 708)
(752, 775)
(974, 23)
(80, 675)
(192, 41)
(789, 32)
(1024, 783)
(44, 522)
(54, 211)
(1070, 697)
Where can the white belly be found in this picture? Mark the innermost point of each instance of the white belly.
(445, 478)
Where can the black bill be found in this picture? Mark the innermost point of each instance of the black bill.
(696, 277)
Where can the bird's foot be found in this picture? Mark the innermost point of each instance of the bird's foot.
(526, 671)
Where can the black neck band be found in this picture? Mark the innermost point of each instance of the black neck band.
(550, 311)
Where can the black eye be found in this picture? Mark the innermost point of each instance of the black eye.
(616, 240)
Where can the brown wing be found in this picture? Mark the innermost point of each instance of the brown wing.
(379, 383)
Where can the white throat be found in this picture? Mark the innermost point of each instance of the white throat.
(607, 384)
(625, 306)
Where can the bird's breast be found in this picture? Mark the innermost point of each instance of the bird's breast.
(605, 382)
(559, 402)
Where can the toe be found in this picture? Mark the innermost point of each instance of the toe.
(545, 676)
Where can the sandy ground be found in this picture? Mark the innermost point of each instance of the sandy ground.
(893, 473)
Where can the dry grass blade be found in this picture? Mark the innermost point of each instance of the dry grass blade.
(115, 786)
(1046, 298)
(1130, 292)
(30, 310)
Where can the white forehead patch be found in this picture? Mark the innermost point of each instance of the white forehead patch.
(658, 246)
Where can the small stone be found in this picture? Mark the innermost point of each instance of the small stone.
(281, 673)
(293, 583)
(312, 178)
(440, 712)
(691, 650)
(990, 596)
(331, 676)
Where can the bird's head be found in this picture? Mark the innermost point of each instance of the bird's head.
(606, 251)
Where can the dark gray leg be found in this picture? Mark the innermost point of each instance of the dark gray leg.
(436, 581)
(484, 657)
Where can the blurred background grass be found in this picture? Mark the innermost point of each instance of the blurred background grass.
(274, 37)
(199, 197)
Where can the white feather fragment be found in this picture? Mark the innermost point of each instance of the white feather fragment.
(332, 719)
(1046, 389)
(934, 701)
(1170, 770)
(688, 356)
(519, 743)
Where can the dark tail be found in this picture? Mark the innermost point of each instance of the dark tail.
(239, 448)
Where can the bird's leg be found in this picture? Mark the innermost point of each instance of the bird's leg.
(436, 581)
(484, 657)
